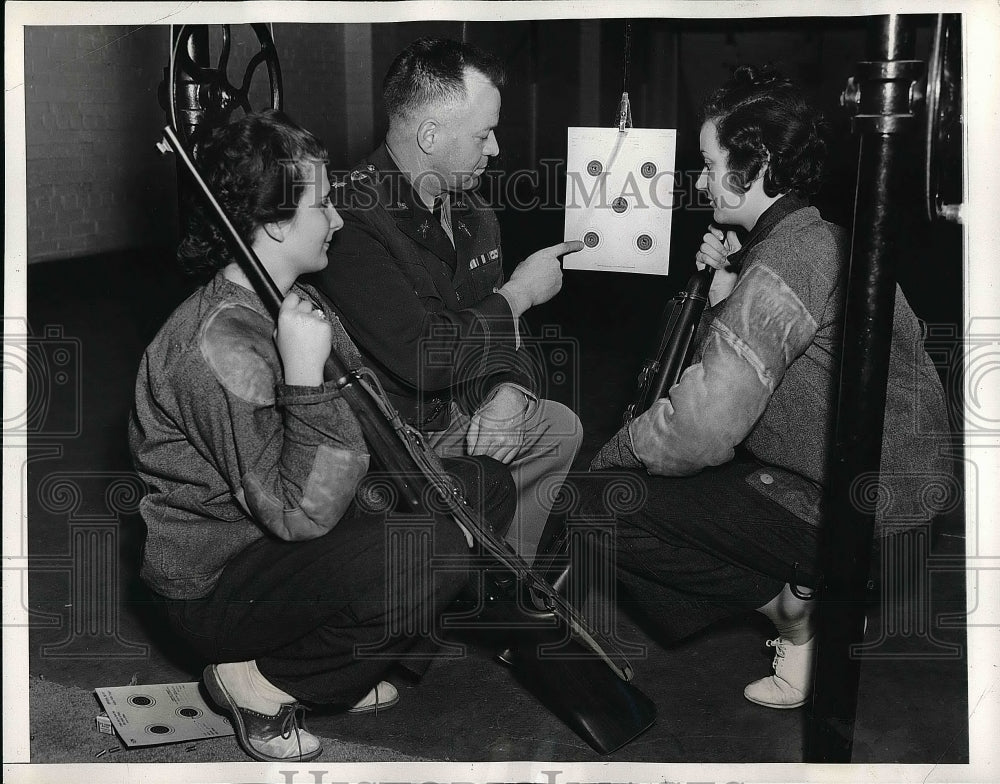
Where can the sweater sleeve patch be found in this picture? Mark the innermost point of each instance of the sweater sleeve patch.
(775, 325)
(292, 525)
(332, 483)
(236, 344)
(327, 493)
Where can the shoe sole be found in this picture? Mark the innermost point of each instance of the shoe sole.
(375, 707)
(777, 707)
(213, 684)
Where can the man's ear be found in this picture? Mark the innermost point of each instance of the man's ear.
(274, 231)
(427, 135)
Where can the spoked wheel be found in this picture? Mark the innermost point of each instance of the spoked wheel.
(200, 97)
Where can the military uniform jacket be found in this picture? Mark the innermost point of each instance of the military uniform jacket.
(426, 315)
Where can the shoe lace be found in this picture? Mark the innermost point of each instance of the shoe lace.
(779, 648)
(291, 723)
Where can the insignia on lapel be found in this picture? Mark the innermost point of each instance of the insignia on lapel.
(462, 227)
(424, 228)
(400, 205)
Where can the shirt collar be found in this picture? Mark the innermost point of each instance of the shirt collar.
(445, 198)
(770, 218)
(223, 288)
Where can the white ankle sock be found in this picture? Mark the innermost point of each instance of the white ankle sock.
(801, 628)
(250, 689)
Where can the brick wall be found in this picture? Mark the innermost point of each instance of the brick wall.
(95, 181)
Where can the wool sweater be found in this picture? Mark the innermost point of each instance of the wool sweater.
(765, 374)
(231, 453)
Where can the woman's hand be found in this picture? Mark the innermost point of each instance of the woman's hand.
(303, 337)
(714, 252)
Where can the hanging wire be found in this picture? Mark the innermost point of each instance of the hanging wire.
(627, 54)
(624, 109)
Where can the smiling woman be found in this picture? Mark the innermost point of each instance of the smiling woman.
(302, 240)
(260, 168)
(253, 460)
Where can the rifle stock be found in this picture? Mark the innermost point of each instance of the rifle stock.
(588, 689)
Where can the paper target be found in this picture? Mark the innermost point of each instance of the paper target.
(619, 198)
(161, 713)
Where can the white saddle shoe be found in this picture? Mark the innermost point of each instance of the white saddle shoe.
(791, 684)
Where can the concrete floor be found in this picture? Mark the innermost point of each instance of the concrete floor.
(81, 505)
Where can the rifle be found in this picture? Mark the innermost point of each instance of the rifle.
(588, 686)
(673, 354)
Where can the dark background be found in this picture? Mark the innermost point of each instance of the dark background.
(96, 185)
(102, 231)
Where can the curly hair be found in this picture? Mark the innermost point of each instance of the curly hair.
(433, 69)
(762, 118)
(257, 167)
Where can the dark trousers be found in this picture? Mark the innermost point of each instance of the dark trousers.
(325, 618)
(690, 551)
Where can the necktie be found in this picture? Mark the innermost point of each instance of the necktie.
(443, 216)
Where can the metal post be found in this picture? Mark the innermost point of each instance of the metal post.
(191, 110)
(884, 93)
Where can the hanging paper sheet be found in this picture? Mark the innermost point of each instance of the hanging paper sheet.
(619, 198)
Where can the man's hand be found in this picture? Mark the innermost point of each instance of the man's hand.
(497, 428)
(714, 252)
(538, 278)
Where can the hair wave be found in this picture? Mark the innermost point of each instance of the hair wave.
(764, 120)
(257, 167)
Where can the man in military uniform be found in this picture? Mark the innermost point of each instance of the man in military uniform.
(417, 277)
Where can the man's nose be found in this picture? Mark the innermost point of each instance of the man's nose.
(492, 146)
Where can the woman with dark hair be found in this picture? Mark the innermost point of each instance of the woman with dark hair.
(266, 564)
(738, 452)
